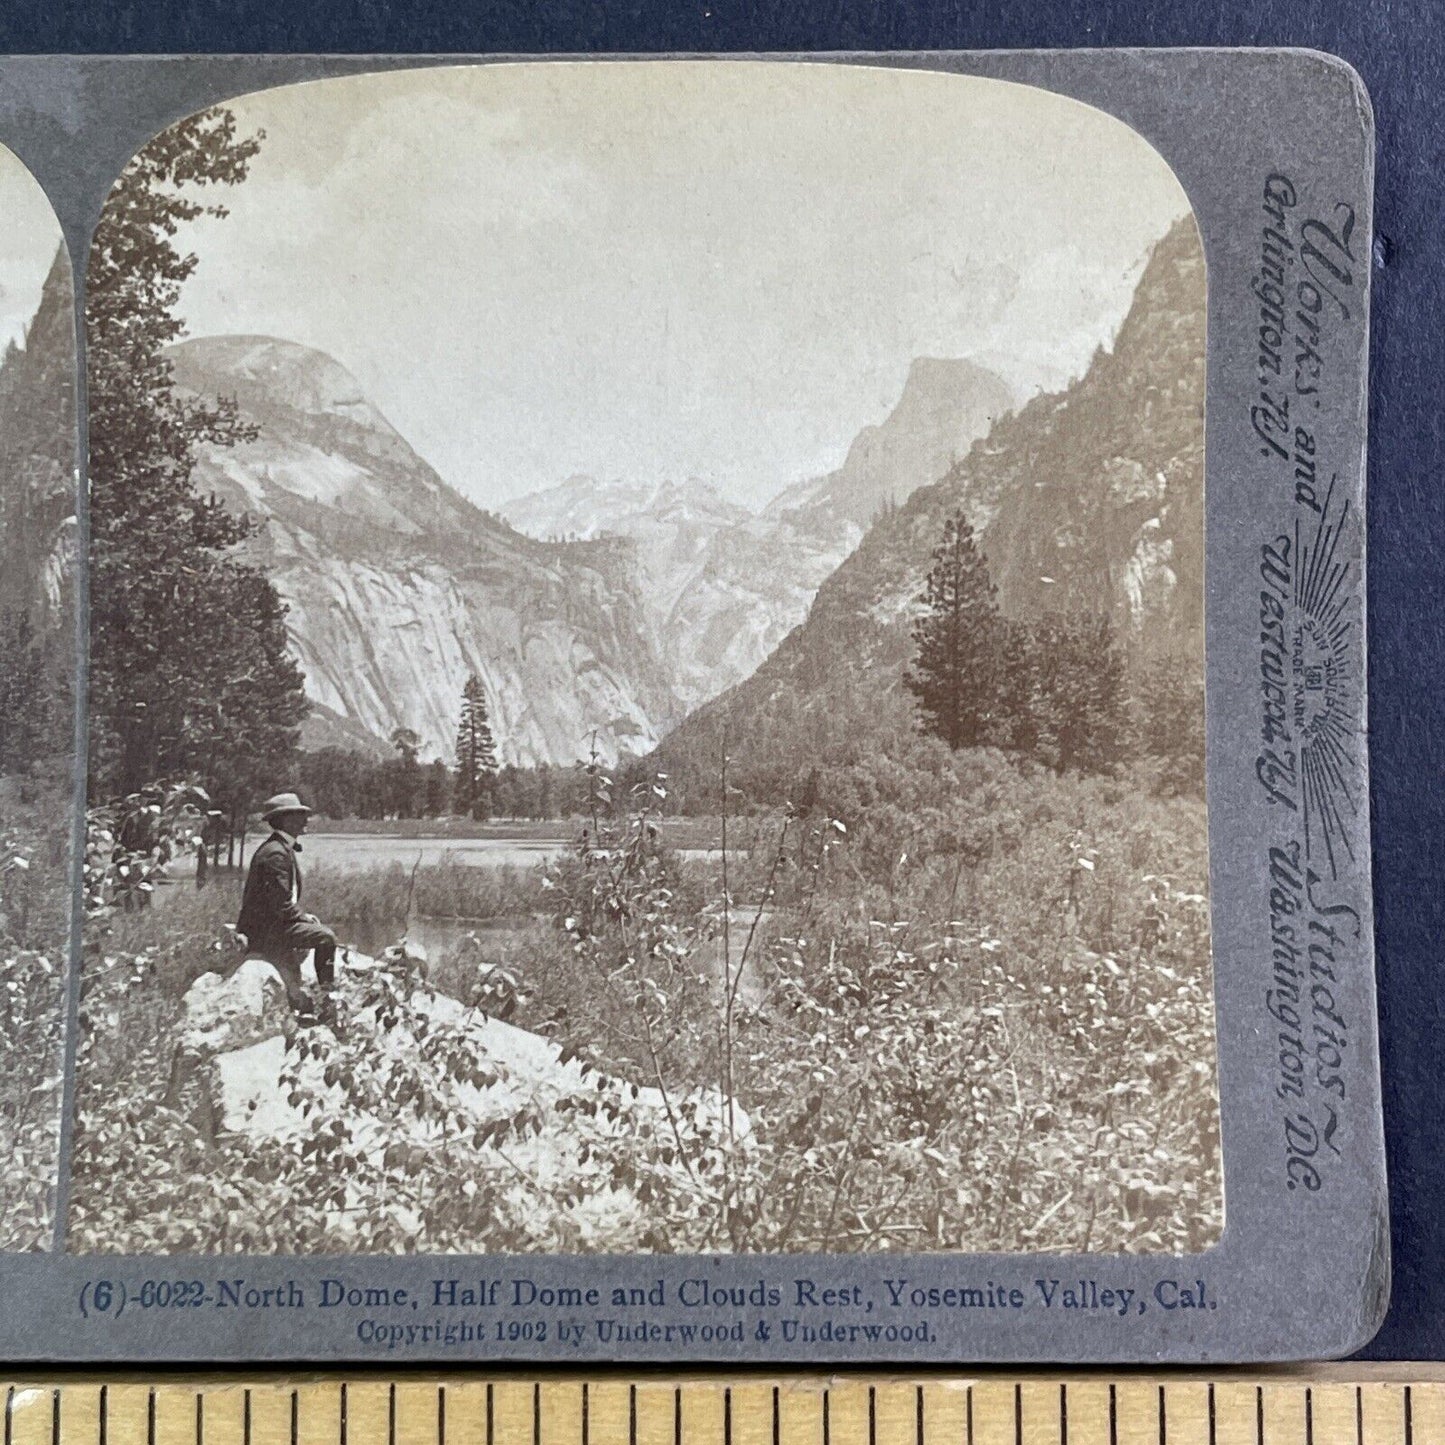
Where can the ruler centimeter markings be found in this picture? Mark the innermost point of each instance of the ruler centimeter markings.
(747, 1410)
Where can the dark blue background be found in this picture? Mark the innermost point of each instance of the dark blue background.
(1398, 46)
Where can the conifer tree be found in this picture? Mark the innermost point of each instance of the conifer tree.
(189, 659)
(1109, 732)
(476, 751)
(438, 787)
(955, 671)
(236, 725)
(543, 793)
(1016, 721)
(1082, 701)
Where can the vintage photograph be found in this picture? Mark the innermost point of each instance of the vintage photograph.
(646, 672)
(38, 443)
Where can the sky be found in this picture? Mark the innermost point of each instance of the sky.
(29, 235)
(657, 271)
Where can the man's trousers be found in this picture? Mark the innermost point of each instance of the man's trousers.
(288, 952)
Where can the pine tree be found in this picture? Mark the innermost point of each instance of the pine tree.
(955, 671)
(1016, 721)
(438, 789)
(546, 792)
(1108, 736)
(333, 780)
(244, 691)
(189, 664)
(1082, 699)
(476, 751)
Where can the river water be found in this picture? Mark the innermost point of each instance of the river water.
(346, 853)
(357, 852)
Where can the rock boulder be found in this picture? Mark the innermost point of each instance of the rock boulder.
(247, 1077)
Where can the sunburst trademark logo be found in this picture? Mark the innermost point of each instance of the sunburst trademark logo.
(1315, 669)
(1325, 701)
(1308, 684)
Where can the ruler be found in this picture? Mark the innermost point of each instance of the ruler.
(1361, 1405)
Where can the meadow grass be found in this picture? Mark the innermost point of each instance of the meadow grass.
(978, 1015)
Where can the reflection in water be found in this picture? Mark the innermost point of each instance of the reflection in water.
(504, 939)
(353, 852)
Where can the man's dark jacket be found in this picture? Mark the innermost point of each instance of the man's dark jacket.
(271, 916)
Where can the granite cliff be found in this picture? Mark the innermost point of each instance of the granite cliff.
(398, 588)
(635, 609)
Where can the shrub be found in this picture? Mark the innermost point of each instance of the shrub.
(34, 925)
(953, 1006)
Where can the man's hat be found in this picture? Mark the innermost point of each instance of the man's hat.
(282, 803)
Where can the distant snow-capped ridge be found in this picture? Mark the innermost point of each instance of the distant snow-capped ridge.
(582, 506)
(724, 586)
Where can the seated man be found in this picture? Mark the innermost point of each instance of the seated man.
(271, 918)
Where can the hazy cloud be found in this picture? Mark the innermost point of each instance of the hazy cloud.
(669, 269)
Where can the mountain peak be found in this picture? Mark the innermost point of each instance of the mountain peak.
(1089, 501)
(947, 403)
(300, 377)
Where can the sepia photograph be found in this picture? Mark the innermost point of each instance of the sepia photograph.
(646, 687)
(37, 696)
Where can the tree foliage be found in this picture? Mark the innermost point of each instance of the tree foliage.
(1054, 689)
(34, 921)
(33, 720)
(1171, 725)
(955, 671)
(190, 669)
(404, 783)
(476, 751)
(347, 783)
(1080, 698)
